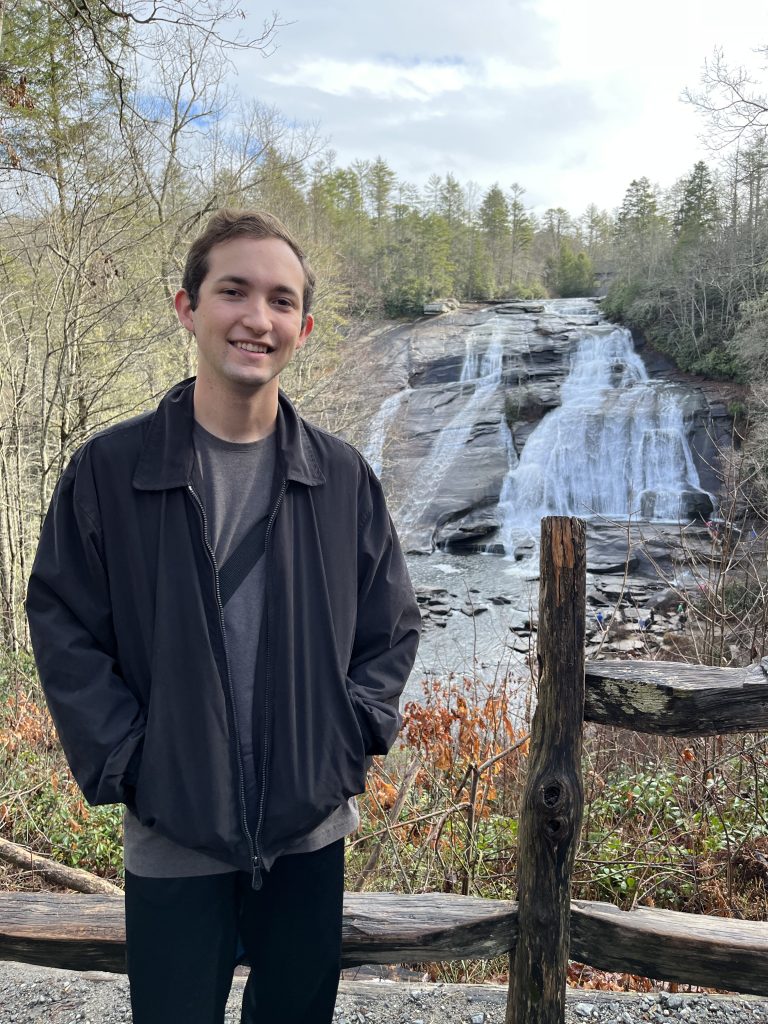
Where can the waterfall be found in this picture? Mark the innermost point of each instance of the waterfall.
(479, 378)
(373, 450)
(616, 446)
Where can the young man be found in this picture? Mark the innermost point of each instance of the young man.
(223, 624)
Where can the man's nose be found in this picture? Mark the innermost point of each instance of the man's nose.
(257, 316)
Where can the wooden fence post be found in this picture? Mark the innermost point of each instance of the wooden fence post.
(550, 817)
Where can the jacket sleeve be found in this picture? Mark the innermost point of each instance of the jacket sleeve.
(99, 721)
(388, 625)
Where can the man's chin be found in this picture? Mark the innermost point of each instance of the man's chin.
(248, 383)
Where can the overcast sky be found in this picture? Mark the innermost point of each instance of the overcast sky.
(570, 98)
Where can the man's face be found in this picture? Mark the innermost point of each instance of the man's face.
(247, 323)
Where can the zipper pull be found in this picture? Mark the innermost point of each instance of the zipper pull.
(256, 877)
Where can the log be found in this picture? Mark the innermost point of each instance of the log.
(667, 945)
(389, 928)
(675, 699)
(553, 800)
(88, 932)
(79, 932)
(52, 871)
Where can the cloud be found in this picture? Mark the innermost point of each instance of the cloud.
(390, 79)
(410, 79)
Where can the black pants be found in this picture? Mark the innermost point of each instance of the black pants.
(182, 939)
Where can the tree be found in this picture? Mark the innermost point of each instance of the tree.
(521, 236)
(639, 211)
(494, 221)
(596, 230)
(732, 102)
(556, 223)
(452, 204)
(379, 187)
(641, 230)
(432, 193)
(698, 212)
(75, 48)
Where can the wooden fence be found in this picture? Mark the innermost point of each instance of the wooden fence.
(545, 926)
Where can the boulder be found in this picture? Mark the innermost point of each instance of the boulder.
(521, 307)
(610, 556)
(438, 306)
(470, 532)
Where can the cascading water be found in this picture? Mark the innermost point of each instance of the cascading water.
(480, 377)
(615, 447)
(373, 449)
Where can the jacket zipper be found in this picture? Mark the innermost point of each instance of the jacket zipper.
(252, 847)
(257, 861)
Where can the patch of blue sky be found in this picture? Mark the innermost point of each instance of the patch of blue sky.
(155, 105)
(257, 151)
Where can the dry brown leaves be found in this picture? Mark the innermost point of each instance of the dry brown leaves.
(25, 724)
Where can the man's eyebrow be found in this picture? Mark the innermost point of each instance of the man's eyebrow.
(233, 278)
(285, 289)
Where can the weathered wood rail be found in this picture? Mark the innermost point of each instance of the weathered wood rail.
(87, 931)
(673, 699)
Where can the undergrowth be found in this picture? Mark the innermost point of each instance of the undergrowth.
(41, 807)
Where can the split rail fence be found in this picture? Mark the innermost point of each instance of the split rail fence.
(544, 927)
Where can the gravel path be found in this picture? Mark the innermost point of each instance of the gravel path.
(38, 995)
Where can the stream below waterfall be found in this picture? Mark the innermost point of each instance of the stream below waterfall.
(482, 598)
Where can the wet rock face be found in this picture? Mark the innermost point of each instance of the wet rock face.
(474, 385)
(691, 505)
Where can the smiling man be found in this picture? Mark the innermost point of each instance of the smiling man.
(223, 624)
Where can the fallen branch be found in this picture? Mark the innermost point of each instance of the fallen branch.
(389, 827)
(51, 871)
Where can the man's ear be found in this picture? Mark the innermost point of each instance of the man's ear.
(184, 310)
(309, 323)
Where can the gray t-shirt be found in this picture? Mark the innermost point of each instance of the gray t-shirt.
(237, 485)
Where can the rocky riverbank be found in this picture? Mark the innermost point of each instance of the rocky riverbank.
(649, 586)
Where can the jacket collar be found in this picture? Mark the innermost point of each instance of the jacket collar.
(167, 456)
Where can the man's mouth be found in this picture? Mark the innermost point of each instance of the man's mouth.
(250, 346)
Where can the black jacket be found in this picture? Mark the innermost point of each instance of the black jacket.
(127, 631)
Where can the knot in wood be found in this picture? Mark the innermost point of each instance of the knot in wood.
(551, 795)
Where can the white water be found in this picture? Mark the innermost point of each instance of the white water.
(379, 429)
(481, 370)
(615, 447)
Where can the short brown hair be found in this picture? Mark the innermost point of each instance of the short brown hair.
(227, 224)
